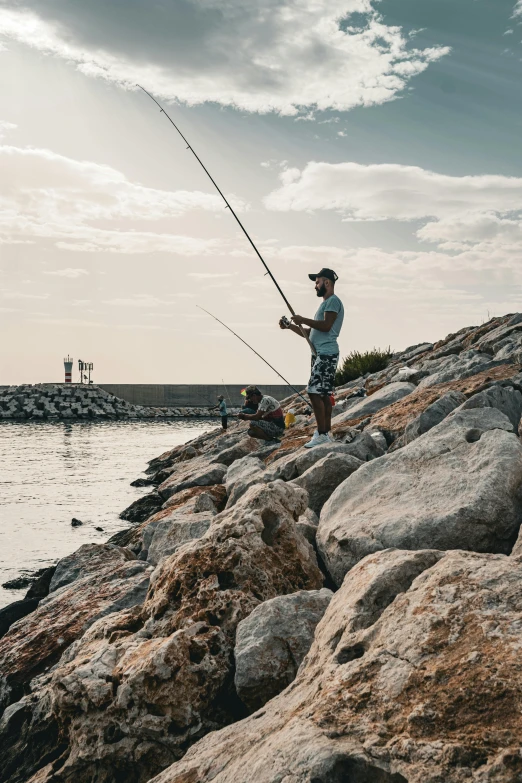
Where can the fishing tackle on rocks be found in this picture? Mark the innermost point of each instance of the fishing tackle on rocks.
(228, 206)
(256, 353)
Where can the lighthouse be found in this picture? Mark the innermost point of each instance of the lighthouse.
(68, 365)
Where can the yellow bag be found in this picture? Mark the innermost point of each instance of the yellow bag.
(289, 419)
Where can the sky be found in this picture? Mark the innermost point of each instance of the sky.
(380, 138)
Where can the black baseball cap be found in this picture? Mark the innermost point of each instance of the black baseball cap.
(328, 273)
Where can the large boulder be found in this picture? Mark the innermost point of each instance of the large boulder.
(273, 640)
(237, 451)
(412, 677)
(143, 684)
(504, 399)
(324, 476)
(367, 406)
(88, 559)
(363, 447)
(243, 468)
(462, 366)
(458, 486)
(433, 415)
(164, 537)
(142, 508)
(38, 640)
(192, 474)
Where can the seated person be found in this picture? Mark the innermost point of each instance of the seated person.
(268, 422)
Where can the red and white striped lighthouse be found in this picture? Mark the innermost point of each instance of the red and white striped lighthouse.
(68, 364)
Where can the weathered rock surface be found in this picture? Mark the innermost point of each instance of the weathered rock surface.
(193, 475)
(506, 400)
(143, 684)
(164, 537)
(273, 640)
(324, 476)
(433, 415)
(413, 677)
(142, 508)
(237, 451)
(379, 399)
(88, 559)
(37, 641)
(241, 475)
(458, 486)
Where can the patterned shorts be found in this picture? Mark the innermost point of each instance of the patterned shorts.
(322, 379)
(269, 428)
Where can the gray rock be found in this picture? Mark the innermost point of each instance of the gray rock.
(202, 476)
(458, 486)
(142, 508)
(169, 534)
(379, 438)
(238, 450)
(243, 469)
(507, 400)
(367, 406)
(324, 476)
(272, 642)
(205, 502)
(433, 415)
(466, 364)
(88, 559)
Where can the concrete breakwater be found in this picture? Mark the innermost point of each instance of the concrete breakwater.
(78, 401)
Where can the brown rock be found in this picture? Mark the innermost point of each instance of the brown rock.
(38, 640)
(414, 676)
(144, 684)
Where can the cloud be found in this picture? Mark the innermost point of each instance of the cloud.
(392, 191)
(50, 196)
(67, 272)
(517, 11)
(5, 126)
(20, 295)
(285, 56)
(140, 300)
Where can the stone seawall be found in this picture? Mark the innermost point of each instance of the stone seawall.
(78, 401)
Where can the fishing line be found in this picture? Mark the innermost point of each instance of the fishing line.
(245, 232)
(256, 353)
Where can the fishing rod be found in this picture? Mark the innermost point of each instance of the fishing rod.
(256, 353)
(228, 206)
(228, 395)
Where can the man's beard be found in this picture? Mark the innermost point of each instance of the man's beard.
(321, 291)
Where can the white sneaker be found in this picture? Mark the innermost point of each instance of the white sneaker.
(317, 440)
(330, 437)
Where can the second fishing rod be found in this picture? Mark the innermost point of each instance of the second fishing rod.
(228, 206)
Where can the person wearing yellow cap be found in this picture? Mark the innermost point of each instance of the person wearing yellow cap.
(323, 330)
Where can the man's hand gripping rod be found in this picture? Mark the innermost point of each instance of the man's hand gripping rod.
(189, 147)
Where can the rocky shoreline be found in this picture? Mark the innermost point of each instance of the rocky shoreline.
(71, 402)
(351, 612)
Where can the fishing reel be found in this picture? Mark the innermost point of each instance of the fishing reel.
(286, 323)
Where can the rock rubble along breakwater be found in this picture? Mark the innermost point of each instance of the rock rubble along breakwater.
(78, 401)
(351, 612)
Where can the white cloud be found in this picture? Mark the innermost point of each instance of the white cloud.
(5, 126)
(286, 56)
(50, 196)
(517, 11)
(20, 295)
(140, 300)
(67, 272)
(392, 191)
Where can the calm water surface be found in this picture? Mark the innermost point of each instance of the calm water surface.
(50, 473)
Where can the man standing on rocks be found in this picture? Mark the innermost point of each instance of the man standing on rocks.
(268, 421)
(323, 331)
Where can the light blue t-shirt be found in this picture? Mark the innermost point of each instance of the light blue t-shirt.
(223, 408)
(326, 342)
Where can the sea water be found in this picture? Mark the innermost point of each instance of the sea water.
(52, 472)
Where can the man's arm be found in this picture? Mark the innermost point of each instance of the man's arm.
(251, 416)
(321, 326)
(295, 329)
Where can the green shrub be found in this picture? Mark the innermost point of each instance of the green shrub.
(356, 364)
